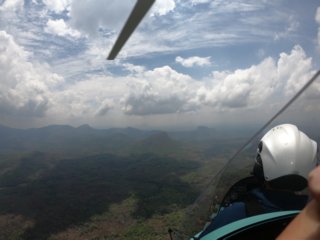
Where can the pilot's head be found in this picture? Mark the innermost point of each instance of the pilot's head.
(285, 156)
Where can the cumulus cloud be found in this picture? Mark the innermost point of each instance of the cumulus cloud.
(60, 28)
(254, 86)
(166, 91)
(57, 6)
(12, 5)
(142, 92)
(24, 86)
(105, 107)
(295, 69)
(30, 89)
(91, 97)
(163, 7)
(134, 68)
(193, 61)
(241, 88)
(160, 91)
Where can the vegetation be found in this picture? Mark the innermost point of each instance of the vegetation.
(74, 190)
(101, 193)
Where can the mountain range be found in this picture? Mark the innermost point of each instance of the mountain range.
(85, 139)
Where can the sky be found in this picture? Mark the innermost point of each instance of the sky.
(189, 63)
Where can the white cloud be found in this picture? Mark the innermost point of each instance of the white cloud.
(11, 5)
(163, 7)
(160, 91)
(104, 108)
(294, 68)
(57, 6)
(29, 89)
(60, 28)
(164, 91)
(257, 85)
(193, 61)
(134, 68)
(94, 96)
(241, 88)
(25, 86)
(143, 92)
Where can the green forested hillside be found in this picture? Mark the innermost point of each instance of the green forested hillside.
(61, 182)
(73, 190)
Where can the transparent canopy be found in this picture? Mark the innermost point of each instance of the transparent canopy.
(302, 111)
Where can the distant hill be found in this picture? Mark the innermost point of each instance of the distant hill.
(85, 140)
(157, 143)
(81, 140)
(201, 133)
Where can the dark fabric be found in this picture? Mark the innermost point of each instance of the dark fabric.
(234, 212)
(258, 171)
(256, 201)
(281, 200)
(291, 182)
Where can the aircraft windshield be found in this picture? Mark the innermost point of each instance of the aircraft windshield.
(302, 111)
(123, 119)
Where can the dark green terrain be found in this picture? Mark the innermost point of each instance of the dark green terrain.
(61, 182)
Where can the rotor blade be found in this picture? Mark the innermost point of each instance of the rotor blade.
(137, 14)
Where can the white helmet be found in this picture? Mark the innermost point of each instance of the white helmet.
(285, 156)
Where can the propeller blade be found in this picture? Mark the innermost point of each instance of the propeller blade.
(137, 14)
